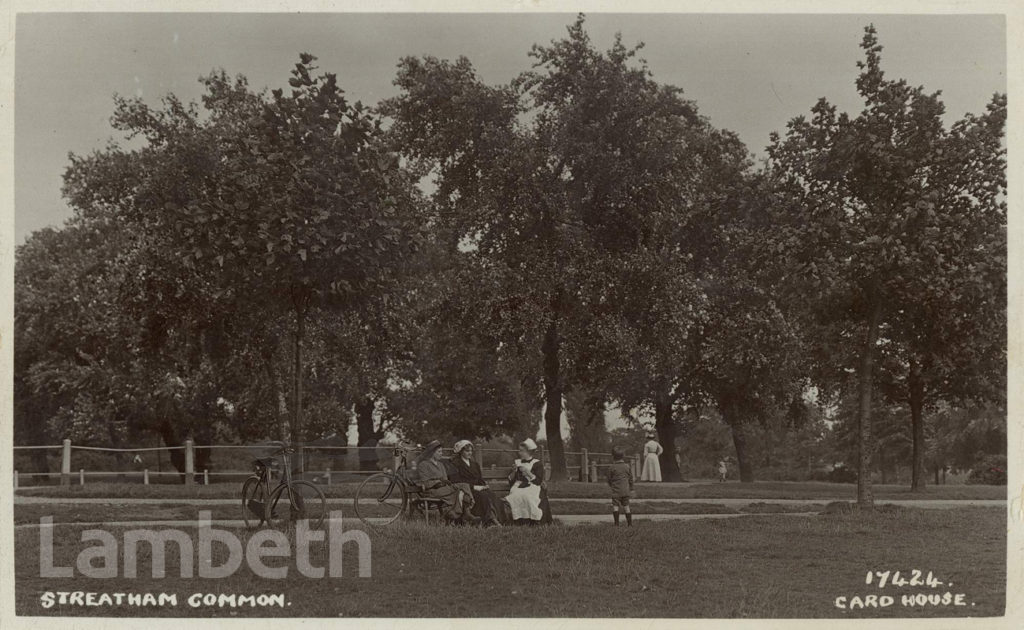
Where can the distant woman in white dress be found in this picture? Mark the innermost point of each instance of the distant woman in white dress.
(652, 467)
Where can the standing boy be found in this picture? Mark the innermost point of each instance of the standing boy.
(620, 480)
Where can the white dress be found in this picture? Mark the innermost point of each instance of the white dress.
(652, 467)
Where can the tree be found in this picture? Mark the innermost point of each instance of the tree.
(509, 199)
(280, 204)
(57, 357)
(962, 437)
(948, 342)
(748, 363)
(458, 381)
(566, 186)
(698, 320)
(585, 414)
(859, 202)
(173, 364)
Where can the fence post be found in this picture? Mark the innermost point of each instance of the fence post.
(189, 462)
(15, 479)
(145, 476)
(584, 464)
(593, 471)
(81, 476)
(478, 454)
(65, 464)
(206, 477)
(328, 475)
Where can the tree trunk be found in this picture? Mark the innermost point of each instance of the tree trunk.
(278, 397)
(31, 431)
(916, 387)
(170, 438)
(585, 413)
(666, 434)
(366, 433)
(38, 460)
(739, 441)
(300, 331)
(730, 413)
(865, 497)
(553, 398)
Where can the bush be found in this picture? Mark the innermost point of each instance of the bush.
(989, 471)
(842, 474)
(820, 475)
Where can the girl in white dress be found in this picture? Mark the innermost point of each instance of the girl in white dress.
(652, 467)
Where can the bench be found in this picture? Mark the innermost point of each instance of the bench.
(426, 505)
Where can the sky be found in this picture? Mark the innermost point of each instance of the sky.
(748, 73)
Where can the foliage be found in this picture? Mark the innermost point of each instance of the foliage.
(206, 248)
(466, 259)
(877, 213)
(991, 471)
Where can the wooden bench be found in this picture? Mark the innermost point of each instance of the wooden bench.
(426, 505)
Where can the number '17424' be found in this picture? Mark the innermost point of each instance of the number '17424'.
(895, 578)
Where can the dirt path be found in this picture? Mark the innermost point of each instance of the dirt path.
(567, 520)
(728, 502)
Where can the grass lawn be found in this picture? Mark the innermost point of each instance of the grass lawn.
(566, 489)
(107, 512)
(758, 566)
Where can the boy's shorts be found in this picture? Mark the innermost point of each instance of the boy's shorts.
(620, 501)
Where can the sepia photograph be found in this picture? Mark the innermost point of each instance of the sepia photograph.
(522, 314)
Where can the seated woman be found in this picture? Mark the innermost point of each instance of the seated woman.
(527, 495)
(432, 476)
(465, 470)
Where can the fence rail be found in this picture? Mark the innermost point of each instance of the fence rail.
(582, 465)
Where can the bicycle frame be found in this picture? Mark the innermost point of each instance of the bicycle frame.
(397, 475)
(298, 495)
(263, 473)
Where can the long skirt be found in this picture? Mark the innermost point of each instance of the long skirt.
(652, 468)
(456, 499)
(485, 505)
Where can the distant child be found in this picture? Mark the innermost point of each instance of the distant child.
(722, 470)
(620, 480)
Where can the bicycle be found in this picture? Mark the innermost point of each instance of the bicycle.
(387, 496)
(290, 501)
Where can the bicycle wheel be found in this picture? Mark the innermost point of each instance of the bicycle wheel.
(292, 503)
(380, 499)
(254, 501)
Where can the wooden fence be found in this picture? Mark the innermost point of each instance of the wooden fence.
(582, 465)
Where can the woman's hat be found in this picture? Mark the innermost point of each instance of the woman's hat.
(528, 444)
(429, 449)
(461, 444)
